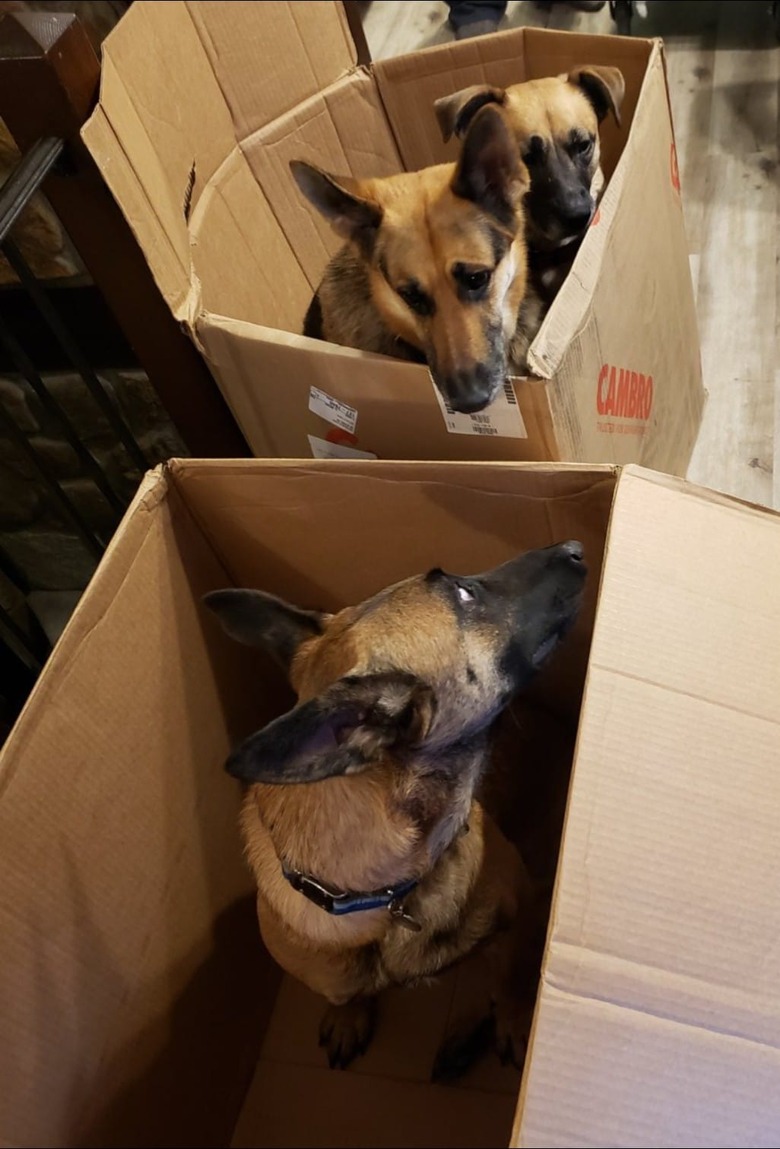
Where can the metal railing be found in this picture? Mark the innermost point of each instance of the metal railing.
(24, 649)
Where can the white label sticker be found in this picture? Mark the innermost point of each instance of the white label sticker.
(502, 419)
(328, 408)
(322, 449)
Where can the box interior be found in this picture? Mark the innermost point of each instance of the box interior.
(223, 223)
(150, 1008)
(365, 123)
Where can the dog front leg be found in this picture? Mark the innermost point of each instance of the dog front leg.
(346, 1030)
(515, 958)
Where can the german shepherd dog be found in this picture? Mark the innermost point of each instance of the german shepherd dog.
(375, 863)
(434, 267)
(555, 122)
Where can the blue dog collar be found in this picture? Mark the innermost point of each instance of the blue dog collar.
(338, 902)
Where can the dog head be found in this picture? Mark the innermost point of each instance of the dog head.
(445, 252)
(555, 121)
(418, 669)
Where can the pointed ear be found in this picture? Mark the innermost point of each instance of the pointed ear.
(259, 619)
(490, 172)
(604, 87)
(456, 112)
(344, 730)
(337, 199)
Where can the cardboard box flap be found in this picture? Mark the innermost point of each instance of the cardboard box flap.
(159, 144)
(659, 1017)
(123, 867)
(411, 83)
(229, 70)
(268, 57)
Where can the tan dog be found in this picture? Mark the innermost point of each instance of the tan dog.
(555, 121)
(434, 268)
(375, 864)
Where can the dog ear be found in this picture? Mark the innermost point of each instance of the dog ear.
(490, 172)
(456, 112)
(342, 731)
(259, 619)
(350, 215)
(604, 87)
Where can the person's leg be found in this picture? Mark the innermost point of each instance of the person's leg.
(475, 17)
(583, 5)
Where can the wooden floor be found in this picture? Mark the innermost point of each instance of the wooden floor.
(724, 68)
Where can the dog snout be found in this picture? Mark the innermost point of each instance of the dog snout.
(566, 562)
(571, 551)
(471, 389)
(576, 209)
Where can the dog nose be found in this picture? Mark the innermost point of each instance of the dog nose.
(579, 217)
(470, 390)
(571, 553)
(573, 550)
(578, 209)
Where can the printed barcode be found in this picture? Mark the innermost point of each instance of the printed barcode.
(510, 394)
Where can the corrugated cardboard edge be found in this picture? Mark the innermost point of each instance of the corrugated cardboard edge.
(514, 1140)
(629, 473)
(105, 583)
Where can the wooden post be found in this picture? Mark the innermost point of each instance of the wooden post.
(49, 83)
(354, 11)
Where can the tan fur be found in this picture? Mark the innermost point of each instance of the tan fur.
(358, 832)
(426, 231)
(430, 232)
(547, 110)
(372, 779)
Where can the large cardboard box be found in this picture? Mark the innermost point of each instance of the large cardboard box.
(136, 1004)
(202, 107)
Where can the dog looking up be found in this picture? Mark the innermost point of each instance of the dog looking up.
(434, 267)
(555, 121)
(360, 798)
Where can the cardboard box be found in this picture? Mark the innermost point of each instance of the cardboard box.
(134, 994)
(202, 107)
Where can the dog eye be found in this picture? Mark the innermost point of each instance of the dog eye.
(416, 299)
(464, 594)
(472, 280)
(581, 145)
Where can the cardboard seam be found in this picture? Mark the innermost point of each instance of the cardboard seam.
(174, 468)
(696, 491)
(344, 26)
(211, 53)
(246, 140)
(207, 44)
(656, 1015)
(212, 189)
(604, 668)
(162, 232)
(335, 465)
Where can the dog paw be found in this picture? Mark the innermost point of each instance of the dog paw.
(346, 1031)
(512, 1033)
(462, 1049)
